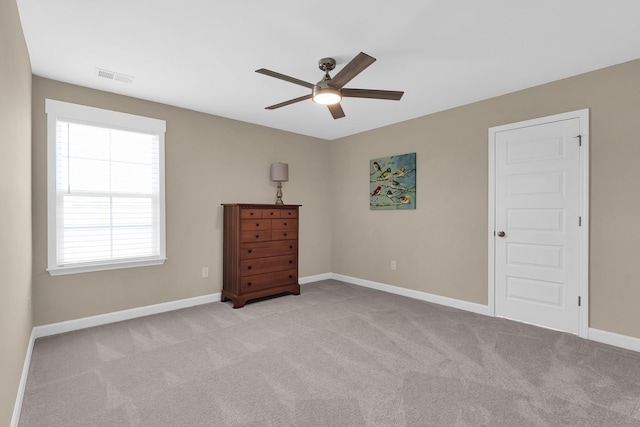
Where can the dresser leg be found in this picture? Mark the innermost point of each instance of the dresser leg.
(239, 302)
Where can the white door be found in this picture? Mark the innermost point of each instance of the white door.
(537, 222)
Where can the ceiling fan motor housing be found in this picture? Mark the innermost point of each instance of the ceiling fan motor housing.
(327, 64)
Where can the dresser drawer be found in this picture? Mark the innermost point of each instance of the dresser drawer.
(255, 236)
(246, 213)
(266, 249)
(255, 224)
(284, 224)
(268, 280)
(251, 267)
(289, 213)
(284, 234)
(270, 213)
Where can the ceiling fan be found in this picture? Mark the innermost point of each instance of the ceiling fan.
(330, 91)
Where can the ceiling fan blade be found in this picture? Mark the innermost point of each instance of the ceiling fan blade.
(352, 69)
(289, 102)
(371, 93)
(285, 78)
(336, 110)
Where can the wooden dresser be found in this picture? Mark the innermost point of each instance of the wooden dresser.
(260, 251)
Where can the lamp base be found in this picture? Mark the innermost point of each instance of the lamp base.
(279, 194)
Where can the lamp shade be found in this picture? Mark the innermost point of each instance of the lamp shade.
(279, 172)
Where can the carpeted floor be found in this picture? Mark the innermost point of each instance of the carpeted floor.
(337, 355)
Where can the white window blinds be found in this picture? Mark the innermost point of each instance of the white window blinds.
(106, 204)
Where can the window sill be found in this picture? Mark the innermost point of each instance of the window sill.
(88, 268)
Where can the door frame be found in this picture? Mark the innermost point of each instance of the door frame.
(583, 116)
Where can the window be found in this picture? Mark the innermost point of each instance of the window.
(105, 189)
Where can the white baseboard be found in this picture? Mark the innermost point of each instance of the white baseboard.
(316, 278)
(437, 299)
(17, 408)
(618, 340)
(118, 316)
(611, 338)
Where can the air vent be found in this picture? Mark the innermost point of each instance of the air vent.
(112, 75)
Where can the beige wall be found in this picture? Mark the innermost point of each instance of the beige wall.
(15, 205)
(441, 247)
(209, 160)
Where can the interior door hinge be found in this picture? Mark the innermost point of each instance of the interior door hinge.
(579, 140)
(579, 221)
(579, 302)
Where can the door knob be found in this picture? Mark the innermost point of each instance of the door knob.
(500, 233)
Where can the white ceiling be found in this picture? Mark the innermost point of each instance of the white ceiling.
(202, 54)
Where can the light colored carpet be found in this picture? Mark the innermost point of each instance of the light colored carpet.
(337, 355)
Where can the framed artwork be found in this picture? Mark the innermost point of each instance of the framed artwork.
(392, 182)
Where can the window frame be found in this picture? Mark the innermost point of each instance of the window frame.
(110, 119)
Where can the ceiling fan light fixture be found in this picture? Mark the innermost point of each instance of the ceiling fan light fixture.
(326, 95)
(327, 98)
(328, 91)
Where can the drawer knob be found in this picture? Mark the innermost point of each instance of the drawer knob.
(249, 268)
(290, 276)
(270, 213)
(257, 224)
(290, 246)
(257, 236)
(285, 223)
(290, 261)
(285, 234)
(249, 284)
(251, 213)
(250, 250)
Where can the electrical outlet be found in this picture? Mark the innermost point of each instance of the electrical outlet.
(205, 272)
(393, 265)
